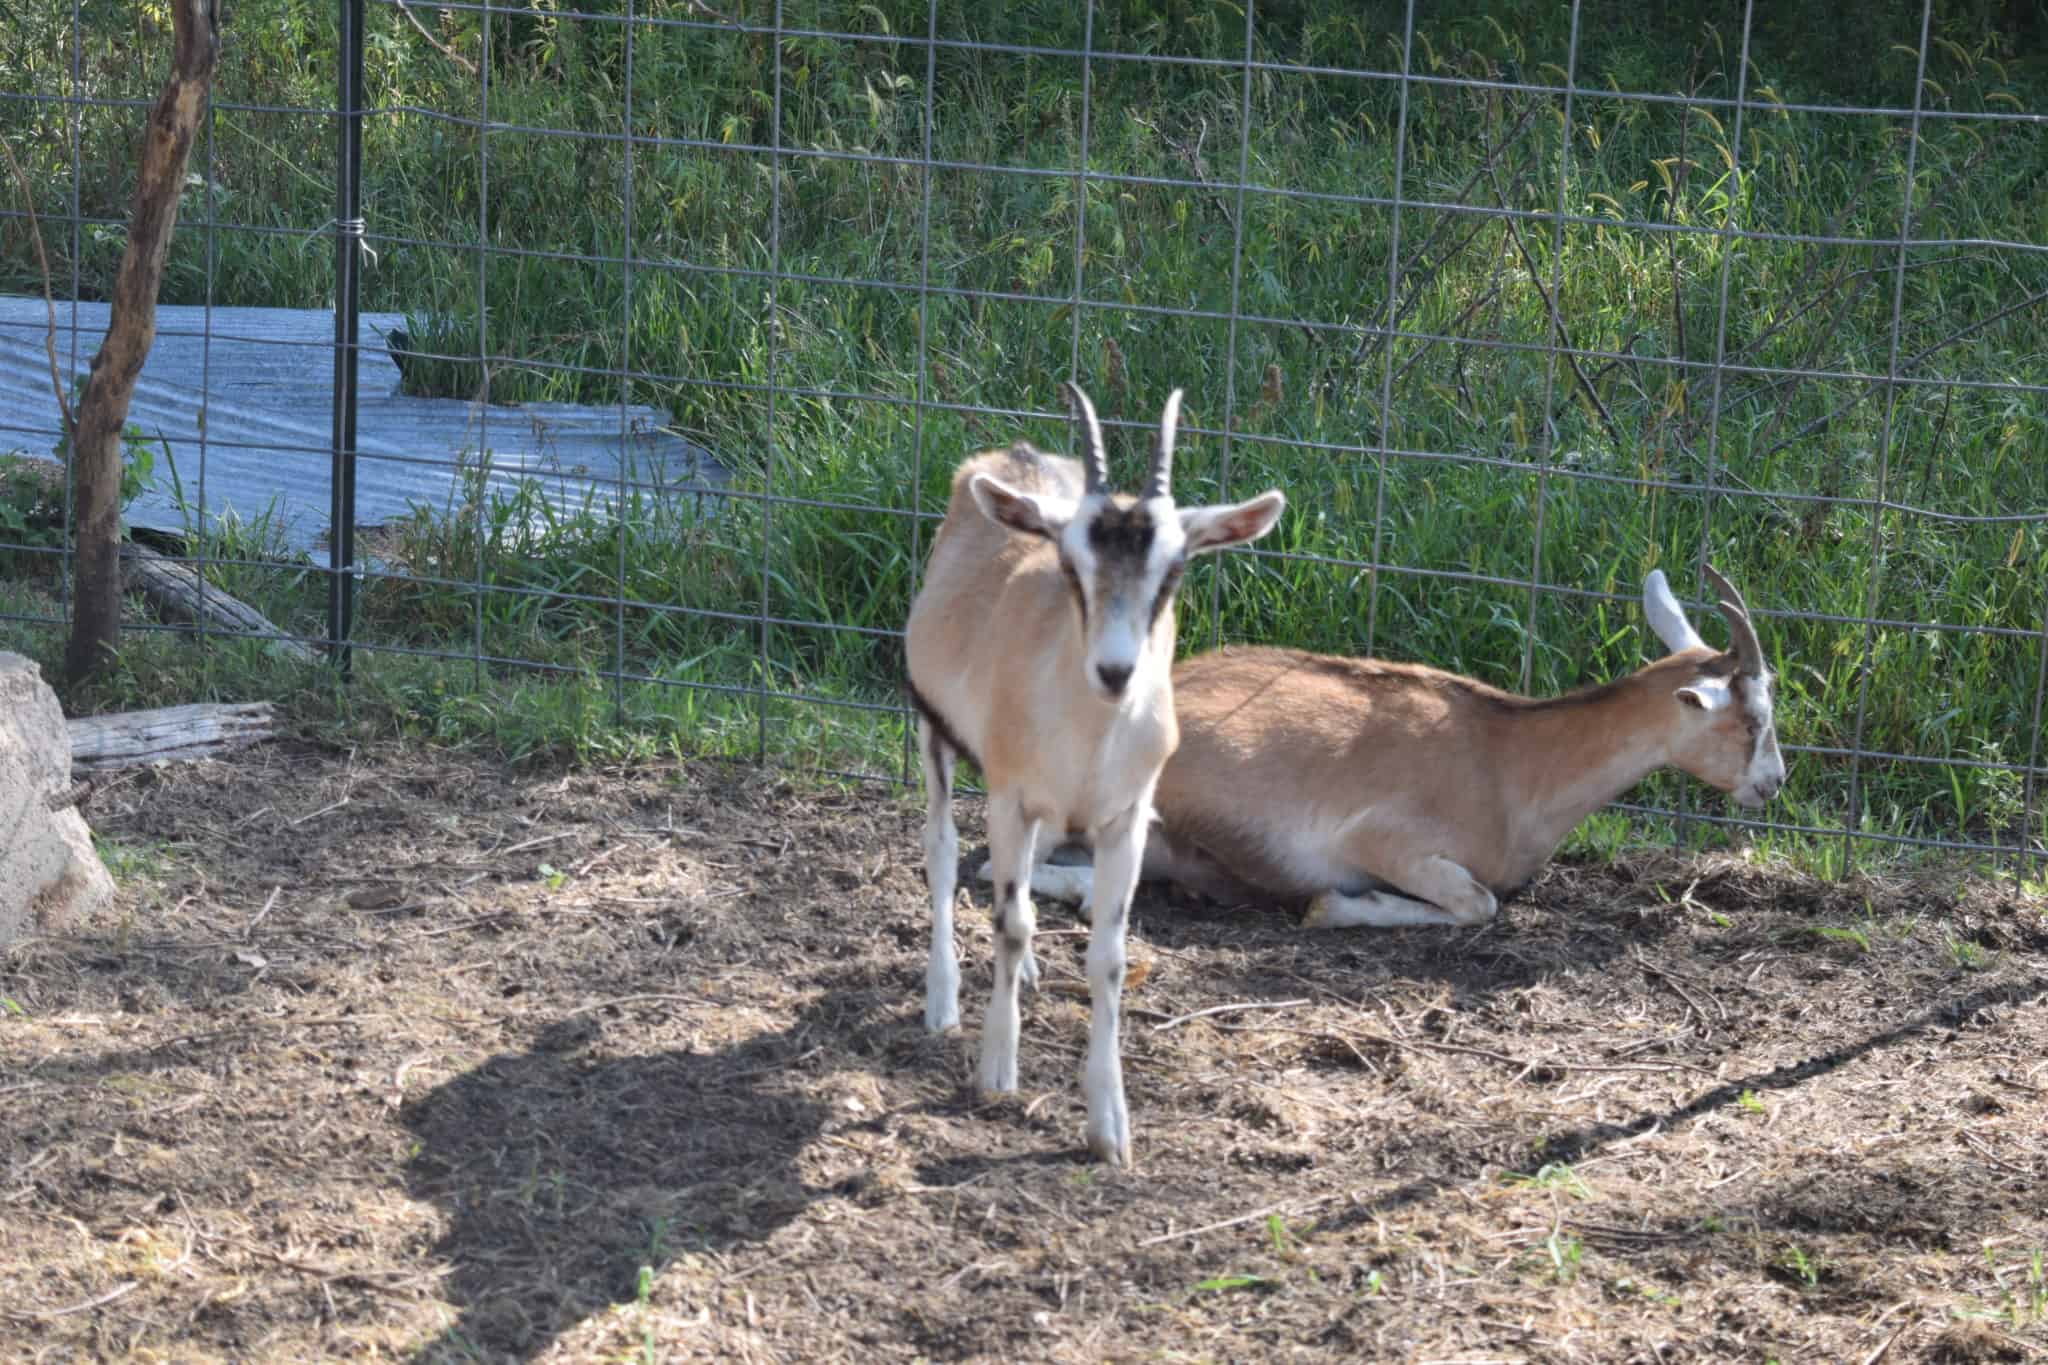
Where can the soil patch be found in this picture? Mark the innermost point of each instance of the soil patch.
(400, 1054)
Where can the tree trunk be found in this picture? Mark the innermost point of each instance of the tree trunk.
(131, 328)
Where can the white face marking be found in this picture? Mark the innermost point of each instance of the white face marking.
(1118, 591)
(1765, 771)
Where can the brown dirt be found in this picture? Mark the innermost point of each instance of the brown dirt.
(402, 1055)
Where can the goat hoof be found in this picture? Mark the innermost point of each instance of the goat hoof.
(1321, 911)
(1027, 973)
(1110, 1141)
(941, 1019)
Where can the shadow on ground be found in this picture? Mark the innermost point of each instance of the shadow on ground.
(563, 1170)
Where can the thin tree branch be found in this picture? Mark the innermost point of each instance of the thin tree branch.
(35, 233)
(450, 53)
(1556, 318)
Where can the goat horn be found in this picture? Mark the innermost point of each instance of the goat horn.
(1097, 462)
(1159, 477)
(1749, 655)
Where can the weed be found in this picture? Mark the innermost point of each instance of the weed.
(1829, 933)
(1224, 1284)
(657, 1240)
(1750, 1102)
(1630, 1288)
(1803, 1268)
(643, 1296)
(1551, 1176)
(1966, 955)
(1565, 1253)
(133, 862)
(2025, 1302)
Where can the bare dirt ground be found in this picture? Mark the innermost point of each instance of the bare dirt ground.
(403, 1055)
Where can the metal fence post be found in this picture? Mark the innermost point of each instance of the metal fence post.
(348, 242)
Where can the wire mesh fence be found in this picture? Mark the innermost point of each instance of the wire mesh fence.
(619, 355)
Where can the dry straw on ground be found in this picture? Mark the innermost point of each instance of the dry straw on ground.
(399, 1055)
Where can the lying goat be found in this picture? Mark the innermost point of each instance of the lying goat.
(1394, 794)
(1041, 646)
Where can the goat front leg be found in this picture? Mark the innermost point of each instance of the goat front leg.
(941, 871)
(1119, 854)
(1012, 835)
(1445, 894)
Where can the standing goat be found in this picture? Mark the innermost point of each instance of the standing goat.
(1041, 646)
(1394, 794)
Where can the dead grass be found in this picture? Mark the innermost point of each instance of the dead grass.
(401, 1055)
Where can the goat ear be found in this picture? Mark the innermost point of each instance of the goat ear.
(1211, 528)
(1666, 617)
(1024, 512)
(1709, 695)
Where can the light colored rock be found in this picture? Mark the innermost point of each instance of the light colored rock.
(50, 877)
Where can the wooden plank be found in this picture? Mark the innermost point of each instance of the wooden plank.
(129, 739)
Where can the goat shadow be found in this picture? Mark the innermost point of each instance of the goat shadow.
(564, 1169)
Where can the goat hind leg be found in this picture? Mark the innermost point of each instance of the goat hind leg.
(1074, 882)
(941, 872)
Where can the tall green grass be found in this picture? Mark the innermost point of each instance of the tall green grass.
(1505, 432)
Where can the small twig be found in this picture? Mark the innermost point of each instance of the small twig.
(749, 1272)
(1993, 1157)
(30, 1314)
(331, 1021)
(1668, 979)
(531, 843)
(963, 1272)
(315, 815)
(473, 922)
(326, 1274)
(450, 53)
(1180, 1019)
(267, 906)
(591, 862)
(1885, 1346)
(638, 999)
(1238, 1221)
(1531, 1064)
(35, 233)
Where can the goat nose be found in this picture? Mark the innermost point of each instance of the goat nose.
(1114, 676)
